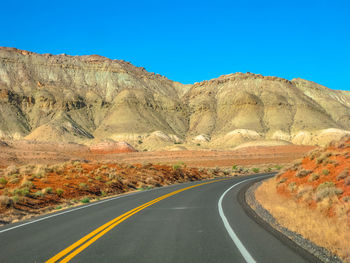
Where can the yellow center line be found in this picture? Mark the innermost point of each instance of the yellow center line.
(102, 230)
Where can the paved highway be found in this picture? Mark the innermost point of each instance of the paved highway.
(190, 222)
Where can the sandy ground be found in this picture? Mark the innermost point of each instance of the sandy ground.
(30, 152)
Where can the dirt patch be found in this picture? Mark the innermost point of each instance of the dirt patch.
(31, 152)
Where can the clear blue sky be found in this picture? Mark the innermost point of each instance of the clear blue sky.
(190, 41)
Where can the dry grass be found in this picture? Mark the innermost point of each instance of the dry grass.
(332, 233)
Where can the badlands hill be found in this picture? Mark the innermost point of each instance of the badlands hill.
(87, 98)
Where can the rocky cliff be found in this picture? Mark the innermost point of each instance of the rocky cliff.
(79, 98)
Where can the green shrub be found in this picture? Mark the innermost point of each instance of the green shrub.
(234, 167)
(325, 172)
(325, 185)
(59, 191)
(22, 191)
(38, 193)
(176, 166)
(255, 170)
(48, 190)
(99, 178)
(3, 180)
(85, 200)
(278, 167)
(58, 207)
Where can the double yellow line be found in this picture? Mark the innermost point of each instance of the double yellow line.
(87, 240)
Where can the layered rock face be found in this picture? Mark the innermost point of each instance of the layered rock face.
(241, 107)
(46, 97)
(78, 98)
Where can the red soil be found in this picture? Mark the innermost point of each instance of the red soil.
(328, 164)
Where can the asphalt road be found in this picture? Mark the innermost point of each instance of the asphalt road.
(185, 227)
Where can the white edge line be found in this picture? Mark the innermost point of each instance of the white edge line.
(85, 206)
(244, 252)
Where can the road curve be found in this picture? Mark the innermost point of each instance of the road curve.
(194, 225)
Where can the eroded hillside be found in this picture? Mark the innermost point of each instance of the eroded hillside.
(80, 98)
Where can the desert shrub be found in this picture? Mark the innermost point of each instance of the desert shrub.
(76, 163)
(38, 175)
(327, 190)
(284, 179)
(303, 173)
(234, 167)
(315, 153)
(48, 190)
(59, 191)
(15, 199)
(39, 193)
(255, 170)
(323, 158)
(27, 183)
(90, 180)
(292, 186)
(304, 190)
(176, 166)
(343, 174)
(12, 169)
(325, 185)
(278, 167)
(99, 178)
(85, 200)
(21, 191)
(3, 181)
(346, 198)
(104, 167)
(313, 177)
(267, 170)
(14, 181)
(226, 172)
(48, 170)
(103, 193)
(325, 172)
(5, 201)
(83, 186)
(58, 207)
